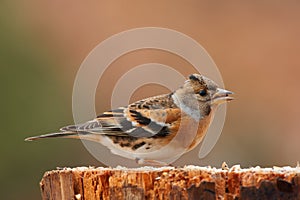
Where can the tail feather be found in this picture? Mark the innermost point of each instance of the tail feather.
(66, 134)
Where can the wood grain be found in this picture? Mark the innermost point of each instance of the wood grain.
(190, 182)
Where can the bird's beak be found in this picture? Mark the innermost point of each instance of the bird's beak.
(222, 96)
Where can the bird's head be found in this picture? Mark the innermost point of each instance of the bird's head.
(207, 91)
(200, 94)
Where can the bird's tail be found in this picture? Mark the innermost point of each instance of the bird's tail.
(69, 134)
(63, 134)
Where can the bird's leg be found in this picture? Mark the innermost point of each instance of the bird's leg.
(151, 162)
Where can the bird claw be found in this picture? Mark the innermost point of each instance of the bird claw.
(151, 162)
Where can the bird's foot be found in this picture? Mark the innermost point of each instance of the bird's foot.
(151, 162)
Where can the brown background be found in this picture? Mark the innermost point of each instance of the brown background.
(255, 45)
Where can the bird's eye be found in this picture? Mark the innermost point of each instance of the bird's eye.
(203, 92)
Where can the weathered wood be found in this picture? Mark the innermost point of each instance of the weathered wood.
(190, 182)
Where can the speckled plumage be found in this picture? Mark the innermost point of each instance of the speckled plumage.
(146, 126)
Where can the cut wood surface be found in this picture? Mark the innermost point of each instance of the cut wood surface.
(190, 182)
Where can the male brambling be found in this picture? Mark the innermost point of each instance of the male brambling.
(153, 124)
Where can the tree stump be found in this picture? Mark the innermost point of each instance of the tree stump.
(189, 182)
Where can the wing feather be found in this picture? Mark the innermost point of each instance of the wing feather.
(146, 118)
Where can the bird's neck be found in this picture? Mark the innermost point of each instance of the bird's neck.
(187, 104)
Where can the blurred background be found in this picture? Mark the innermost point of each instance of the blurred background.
(42, 44)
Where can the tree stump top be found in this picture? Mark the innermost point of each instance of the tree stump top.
(189, 182)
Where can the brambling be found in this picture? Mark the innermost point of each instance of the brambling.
(148, 130)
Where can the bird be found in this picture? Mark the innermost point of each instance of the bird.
(151, 131)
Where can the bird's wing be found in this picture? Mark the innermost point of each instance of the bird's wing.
(145, 118)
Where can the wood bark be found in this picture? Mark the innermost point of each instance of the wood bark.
(190, 182)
